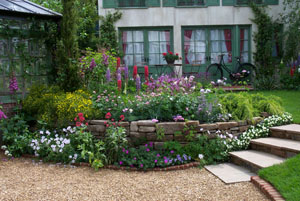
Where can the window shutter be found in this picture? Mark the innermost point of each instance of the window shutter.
(169, 3)
(271, 2)
(228, 2)
(153, 3)
(212, 2)
(109, 3)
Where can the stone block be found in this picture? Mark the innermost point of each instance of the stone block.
(146, 129)
(257, 119)
(134, 126)
(243, 123)
(168, 138)
(145, 123)
(193, 124)
(235, 129)
(124, 124)
(136, 135)
(226, 125)
(206, 127)
(171, 127)
(97, 128)
(243, 128)
(152, 137)
(97, 122)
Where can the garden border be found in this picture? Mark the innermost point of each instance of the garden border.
(269, 190)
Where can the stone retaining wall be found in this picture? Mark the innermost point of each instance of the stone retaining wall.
(144, 131)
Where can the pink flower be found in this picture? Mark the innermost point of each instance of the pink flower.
(166, 161)
(2, 115)
(142, 165)
(155, 161)
(154, 120)
(147, 150)
(121, 162)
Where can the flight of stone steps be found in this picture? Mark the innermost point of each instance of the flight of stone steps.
(283, 142)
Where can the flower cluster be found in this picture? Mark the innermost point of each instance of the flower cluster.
(6, 151)
(80, 120)
(13, 84)
(169, 56)
(2, 115)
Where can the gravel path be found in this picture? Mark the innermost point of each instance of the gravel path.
(22, 179)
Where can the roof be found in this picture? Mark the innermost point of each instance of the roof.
(26, 7)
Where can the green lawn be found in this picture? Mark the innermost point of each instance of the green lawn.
(291, 102)
(285, 178)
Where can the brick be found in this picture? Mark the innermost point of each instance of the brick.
(145, 123)
(146, 129)
(134, 126)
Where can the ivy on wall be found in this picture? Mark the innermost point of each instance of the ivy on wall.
(264, 39)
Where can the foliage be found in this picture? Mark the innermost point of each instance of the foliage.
(291, 19)
(284, 177)
(144, 157)
(290, 82)
(68, 78)
(16, 136)
(266, 82)
(93, 67)
(246, 106)
(115, 138)
(87, 19)
(170, 57)
(108, 34)
(263, 39)
(210, 150)
(55, 107)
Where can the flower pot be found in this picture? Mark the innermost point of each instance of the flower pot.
(170, 61)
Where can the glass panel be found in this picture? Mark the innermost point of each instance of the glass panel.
(215, 57)
(200, 46)
(245, 57)
(153, 35)
(128, 60)
(138, 36)
(3, 47)
(32, 8)
(138, 59)
(12, 6)
(128, 48)
(154, 59)
(138, 47)
(163, 47)
(154, 47)
(199, 58)
(165, 36)
(127, 36)
(199, 35)
(214, 34)
(215, 46)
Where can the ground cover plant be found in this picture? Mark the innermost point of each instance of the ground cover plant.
(285, 178)
(290, 101)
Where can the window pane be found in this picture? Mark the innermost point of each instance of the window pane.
(138, 36)
(138, 59)
(214, 35)
(127, 36)
(200, 58)
(165, 36)
(154, 47)
(154, 59)
(128, 60)
(200, 46)
(3, 47)
(199, 35)
(153, 35)
(138, 47)
(215, 46)
(163, 47)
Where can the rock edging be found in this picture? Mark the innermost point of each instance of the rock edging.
(267, 188)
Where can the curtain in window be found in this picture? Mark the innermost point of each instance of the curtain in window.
(215, 46)
(159, 42)
(188, 46)
(244, 47)
(133, 47)
(227, 35)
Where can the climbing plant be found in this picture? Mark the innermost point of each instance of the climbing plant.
(264, 39)
(108, 33)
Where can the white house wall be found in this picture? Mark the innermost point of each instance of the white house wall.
(178, 17)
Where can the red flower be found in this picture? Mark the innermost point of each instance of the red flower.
(134, 72)
(112, 119)
(75, 119)
(86, 124)
(119, 85)
(164, 54)
(146, 72)
(122, 117)
(176, 54)
(80, 114)
(78, 124)
(108, 115)
(170, 52)
(292, 72)
(118, 62)
(81, 119)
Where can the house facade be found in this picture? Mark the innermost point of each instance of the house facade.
(198, 30)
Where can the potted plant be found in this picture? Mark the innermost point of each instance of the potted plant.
(170, 57)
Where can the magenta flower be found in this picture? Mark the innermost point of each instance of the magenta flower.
(2, 115)
(92, 64)
(121, 162)
(172, 152)
(138, 83)
(127, 152)
(151, 144)
(166, 161)
(146, 145)
(134, 158)
(155, 161)
(154, 120)
(13, 84)
(142, 165)
(157, 155)
(147, 150)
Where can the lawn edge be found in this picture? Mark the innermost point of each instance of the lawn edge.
(266, 188)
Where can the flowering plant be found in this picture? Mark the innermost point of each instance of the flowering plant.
(170, 57)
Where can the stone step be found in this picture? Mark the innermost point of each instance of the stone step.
(230, 173)
(254, 160)
(281, 147)
(291, 131)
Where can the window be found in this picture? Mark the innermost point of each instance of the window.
(206, 44)
(247, 2)
(131, 3)
(190, 3)
(145, 46)
(244, 44)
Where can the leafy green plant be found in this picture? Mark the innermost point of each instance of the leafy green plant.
(160, 132)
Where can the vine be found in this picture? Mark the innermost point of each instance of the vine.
(264, 40)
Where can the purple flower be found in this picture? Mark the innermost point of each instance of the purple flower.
(108, 78)
(13, 84)
(121, 162)
(142, 165)
(119, 74)
(157, 155)
(2, 115)
(172, 152)
(92, 64)
(134, 158)
(105, 59)
(166, 161)
(155, 161)
(147, 150)
(123, 150)
(146, 145)
(151, 144)
(126, 73)
(127, 152)
(178, 118)
(138, 83)
(165, 157)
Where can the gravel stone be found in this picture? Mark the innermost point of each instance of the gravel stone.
(21, 180)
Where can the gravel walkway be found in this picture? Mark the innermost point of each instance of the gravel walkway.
(23, 179)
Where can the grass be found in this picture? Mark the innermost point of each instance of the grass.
(285, 178)
(290, 100)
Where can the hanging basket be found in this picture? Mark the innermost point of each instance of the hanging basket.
(170, 61)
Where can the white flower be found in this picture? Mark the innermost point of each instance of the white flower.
(48, 132)
(6, 152)
(75, 156)
(69, 128)
(70, 157)
(130, 110)
(60, 150)
(73, 161)
(200, 156)
(3, 147)
(64, 130)
(41, 132)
